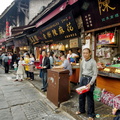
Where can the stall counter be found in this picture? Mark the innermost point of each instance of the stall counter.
(108, 83)
(75, 75)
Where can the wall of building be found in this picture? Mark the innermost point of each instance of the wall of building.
(35, 7)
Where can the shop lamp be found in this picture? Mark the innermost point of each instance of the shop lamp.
(66, 46)
(20, 48)
(44, 47)
(0, 48)
(52, 47)
(24, 48)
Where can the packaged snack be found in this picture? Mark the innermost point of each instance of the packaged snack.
(82, 90)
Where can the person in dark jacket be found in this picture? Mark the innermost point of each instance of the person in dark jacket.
(79, 54)
(6, 65)
(45, 65)
(14, 58)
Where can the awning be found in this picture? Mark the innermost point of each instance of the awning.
(71, 2)
(9, 44)
(55, 12)
(9, 41)
(20, 41)
(19, 30)
(10, 38)
(52, 14)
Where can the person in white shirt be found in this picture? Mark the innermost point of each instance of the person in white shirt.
(32, 60)
(71, 56)
(20, 71)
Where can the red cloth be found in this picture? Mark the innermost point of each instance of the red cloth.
(9, 61)
(41, 57)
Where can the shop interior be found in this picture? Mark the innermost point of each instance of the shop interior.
(63, 46)
(108, 59)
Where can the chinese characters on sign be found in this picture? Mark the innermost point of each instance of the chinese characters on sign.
(62, 28)
(34, 39)
(104, 6)
(110, 17)
(100, 13)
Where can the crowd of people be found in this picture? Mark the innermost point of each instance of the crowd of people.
(24, 66)
(8, 60)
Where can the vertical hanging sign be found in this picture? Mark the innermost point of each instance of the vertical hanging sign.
(7, 28)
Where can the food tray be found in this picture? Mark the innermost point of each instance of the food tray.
(103, 73)
(39, 67)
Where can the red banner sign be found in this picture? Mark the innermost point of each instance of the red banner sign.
(7, 28)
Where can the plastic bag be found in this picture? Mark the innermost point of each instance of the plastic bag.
(97, 94)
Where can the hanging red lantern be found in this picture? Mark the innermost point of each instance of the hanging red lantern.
(3, 47)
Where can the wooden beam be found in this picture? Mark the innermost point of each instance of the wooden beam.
(106, 27)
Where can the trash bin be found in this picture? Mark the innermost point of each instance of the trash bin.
(58, 86)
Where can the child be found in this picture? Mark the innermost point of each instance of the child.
(20, 72)
(15, 66)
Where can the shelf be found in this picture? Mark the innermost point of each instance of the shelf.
(107, 45)
(111, 75)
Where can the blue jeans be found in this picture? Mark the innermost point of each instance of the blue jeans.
(89, 95)
(40, 75)
(44, 80)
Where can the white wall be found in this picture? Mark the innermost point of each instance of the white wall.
(34, 8)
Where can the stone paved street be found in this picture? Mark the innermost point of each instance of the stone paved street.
(21, 101)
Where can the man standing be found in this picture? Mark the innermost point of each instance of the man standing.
(45, 65)
(6, 65)
(88, 74)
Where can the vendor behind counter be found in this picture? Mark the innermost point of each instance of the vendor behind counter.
(72, 57)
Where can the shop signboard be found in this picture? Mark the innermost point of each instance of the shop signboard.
(61, 29)
(106, 38)
(100, 13)
(74, 43)
(21, 41)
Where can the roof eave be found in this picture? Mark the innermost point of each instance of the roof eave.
(7, 9)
